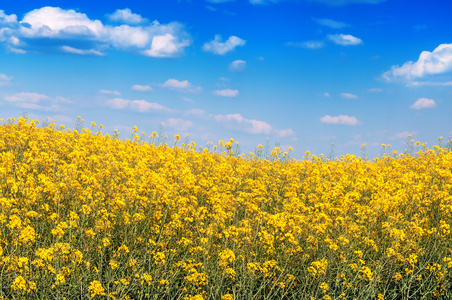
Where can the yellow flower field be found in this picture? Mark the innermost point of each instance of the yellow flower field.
(87, 215)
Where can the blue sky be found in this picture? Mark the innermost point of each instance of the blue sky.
(305, 74)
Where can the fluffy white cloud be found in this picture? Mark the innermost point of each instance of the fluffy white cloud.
(429, 63)
(5, 80)
(237, 65)
(138, 105)
(126, 16)
(74, 32)
(176, 84)
(142, 88)
(344, 39)
(7, 19)
(218, 47)
(341, 120)
(109, 92)
(330, 23)
(423, 103)
(178, 124)
(238, 122)
(226, 93)
(348, 96)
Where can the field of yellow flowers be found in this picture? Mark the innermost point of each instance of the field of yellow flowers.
(87, 215)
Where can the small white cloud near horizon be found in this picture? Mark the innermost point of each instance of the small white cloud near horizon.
(339, 120)
(195, 112)
(344, 39)
(429, 63)
(348, 96)
(238, 122)
(126, 16)
(178, 124)
(237, 65)
(142, 88)
(220, 48)
(403, 135)
(26, 97)
(284, 132)
(422, 103)
(138, 105)
(226, 93)
(109, 92)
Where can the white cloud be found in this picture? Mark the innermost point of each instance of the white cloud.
(176, 84)
(126, 16)
(142, 88)
(341, 120)
(118, 103)
(74, 32)
(347, 2)
(33, 100)
(144, 106)
(344, 39)
(237, 65)
(423, 103)
(348, 96)
(238, 122)
(429, 63)
(109, 92)
(284, 132)
(179, 124)
(5, 80)
(327, 95)
(330, 23)
(7, 19)
(375, 90)
(220, 48)
(138, 105)
(226, 93)
(26, 97)
(219, 1)
(166, 46)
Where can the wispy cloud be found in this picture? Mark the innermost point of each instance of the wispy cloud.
(344, 39)
(375, 90)
(138, 105)
(237, 65)
(422, 103)
(74, 32)
(339, 120)
(35, 101)
(331, 23)
(226, 93)
(238, 122)
(402, 135)
(127, 17)
(5, 80)
(176, 84)
(348, 96)
(142, 88)
(179, 124)
(220, 48)
(429, 63)
(307, 44)
(109, 92)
